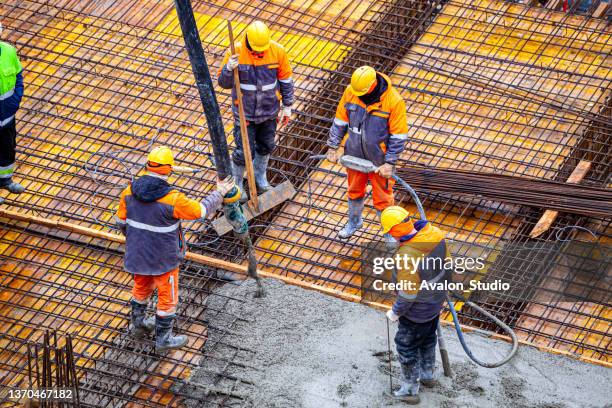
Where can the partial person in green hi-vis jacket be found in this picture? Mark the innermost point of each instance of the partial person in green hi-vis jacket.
(11, 92)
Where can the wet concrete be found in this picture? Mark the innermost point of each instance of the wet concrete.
(310, 350)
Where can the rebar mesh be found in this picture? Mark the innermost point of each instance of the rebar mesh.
(490, 86)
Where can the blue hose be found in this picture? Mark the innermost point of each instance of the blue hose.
(451, 305)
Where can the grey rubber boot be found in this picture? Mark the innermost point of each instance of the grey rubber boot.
(164, 340)
(409, 386)
(355, 221)
(141, 325)
(14, 187)
(260, 167)
(238, 173)
(404, 395)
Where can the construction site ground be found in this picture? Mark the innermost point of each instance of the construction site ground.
(316, 351)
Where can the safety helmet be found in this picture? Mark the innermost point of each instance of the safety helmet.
(391, 216)
(258, 36)
(362, 80)
(161, 155)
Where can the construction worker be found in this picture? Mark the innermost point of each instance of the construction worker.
(149, 216)
(11, 92)
(374, 115)
(265, 79)
(416, 309)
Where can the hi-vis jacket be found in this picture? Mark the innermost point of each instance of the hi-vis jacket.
(377, 132)
(149, 215)
(11, 83)
(263, 82)
(428, 247)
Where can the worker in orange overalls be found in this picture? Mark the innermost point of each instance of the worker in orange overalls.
(149, 215)
(374, 115)
(265, 80)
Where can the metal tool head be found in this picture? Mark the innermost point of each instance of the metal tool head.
(268, 200)
(358, 164)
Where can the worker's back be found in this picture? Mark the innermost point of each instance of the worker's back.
(429, 248)
(151, 211)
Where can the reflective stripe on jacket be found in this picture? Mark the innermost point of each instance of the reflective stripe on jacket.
(429, 248)
(377, 132)
(263, 82)
(11, 83)
(154, 239)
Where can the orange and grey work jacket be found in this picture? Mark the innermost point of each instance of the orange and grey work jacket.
(263, 82)
(426, 250)
(377, 132)
(150, 213)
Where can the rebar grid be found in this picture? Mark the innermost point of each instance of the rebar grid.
(58, 283)
(489, 86)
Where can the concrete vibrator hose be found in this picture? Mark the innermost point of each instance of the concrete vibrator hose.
(366, 166)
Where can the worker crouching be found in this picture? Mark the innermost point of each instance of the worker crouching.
(265, 79)
(149, 215)
(373, 114)
(417, 310)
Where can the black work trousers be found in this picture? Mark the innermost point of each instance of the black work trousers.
(8, 144)
(261, 139)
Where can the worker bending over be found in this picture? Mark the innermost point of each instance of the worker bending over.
(416, 309)
(149, 216)
(265, 79)
(374, 114)
(11, 92)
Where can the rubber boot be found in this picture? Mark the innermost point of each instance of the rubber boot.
(141, 325)
(355, 221)
(164, 340)
(14, 187)
(404, 394)
(238, 173)
(260, 167)
(409, 386)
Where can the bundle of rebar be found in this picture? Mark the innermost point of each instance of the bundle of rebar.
(52, 378)
(570, 198)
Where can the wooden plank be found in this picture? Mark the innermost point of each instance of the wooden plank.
(600, 11)
(549, 216)
(268, 200)
(198, 258)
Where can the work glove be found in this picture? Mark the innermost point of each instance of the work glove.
(386, 170)
(226, 185)
(283, 117)
(232, 63)
(392, 316)
(332, 155)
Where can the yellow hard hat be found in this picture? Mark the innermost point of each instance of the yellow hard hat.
(258, 35)
(391, 216)
(161, 155)
(362, 80)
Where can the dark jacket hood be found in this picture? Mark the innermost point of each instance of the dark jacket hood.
(374, 96)
(149, 189)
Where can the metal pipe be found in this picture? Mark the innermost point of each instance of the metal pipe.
(233, 211)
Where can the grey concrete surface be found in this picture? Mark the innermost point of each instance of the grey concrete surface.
(309, 350)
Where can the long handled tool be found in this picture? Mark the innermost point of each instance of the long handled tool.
(271, 198)
(366, 166)
(234, 216)
(244, 135)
